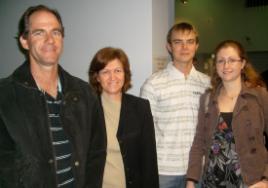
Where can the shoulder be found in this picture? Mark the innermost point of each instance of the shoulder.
(157, 81)
(259, 92)
(72, 84)
(206, 96)
(135, 101)
(7, 94)
(158, 76)
(133, 98)
(203, 78)
(5, 82)
(205, 102)
(70, 79)
(254, 91)
(262, 90)
(255, 95)
(203, 75)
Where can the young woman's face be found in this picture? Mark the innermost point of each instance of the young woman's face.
(112, 78)
(229, 64)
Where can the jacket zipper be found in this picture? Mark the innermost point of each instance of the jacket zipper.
(50, 138)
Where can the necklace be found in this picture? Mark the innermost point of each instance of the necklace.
(232, 97)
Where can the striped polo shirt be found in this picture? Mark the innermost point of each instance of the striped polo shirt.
(174, 101)
(61, 144)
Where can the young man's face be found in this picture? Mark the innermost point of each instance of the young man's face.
(45, 39)
(183, 46)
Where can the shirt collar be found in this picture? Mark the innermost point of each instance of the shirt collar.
(178, 74)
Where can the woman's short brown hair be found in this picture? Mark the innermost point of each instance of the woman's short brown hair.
(101, 59)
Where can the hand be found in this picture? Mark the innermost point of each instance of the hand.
(190, 184)
(260, 184)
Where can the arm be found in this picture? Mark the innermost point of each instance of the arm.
(148, 151)
(260, 184)
(199, 145)
(265, 108)
(97, 149)
(190, 184)
(264, 104)
(148, 92)
(7, 158)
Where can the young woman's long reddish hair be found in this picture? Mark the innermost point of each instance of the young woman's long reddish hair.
(248, 74)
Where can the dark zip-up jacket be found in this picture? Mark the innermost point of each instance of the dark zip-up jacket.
(26, 152)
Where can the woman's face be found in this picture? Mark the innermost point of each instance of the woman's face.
(229, 64)
(112, 78)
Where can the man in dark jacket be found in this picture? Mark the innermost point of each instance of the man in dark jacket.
(50, 130)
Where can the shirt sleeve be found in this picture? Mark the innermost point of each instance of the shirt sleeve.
(148, 92)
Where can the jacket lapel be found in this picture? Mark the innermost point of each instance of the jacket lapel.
(123, 116)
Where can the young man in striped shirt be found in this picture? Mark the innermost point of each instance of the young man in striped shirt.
(50, 134)
(174, 97)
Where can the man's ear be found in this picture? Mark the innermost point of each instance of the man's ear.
(197, 45)
(97, 77)
(243, 64)
(168, 48)
(24, 43)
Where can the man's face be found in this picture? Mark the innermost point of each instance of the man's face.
(183, 46)
(45, 40)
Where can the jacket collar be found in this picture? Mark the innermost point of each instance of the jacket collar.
(23, 76)
(241, 102)
(245, 90)
(248, 91)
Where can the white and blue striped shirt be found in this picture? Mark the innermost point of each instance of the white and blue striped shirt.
(174, 101)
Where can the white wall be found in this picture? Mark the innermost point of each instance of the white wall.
(163, 19)
(91, 25)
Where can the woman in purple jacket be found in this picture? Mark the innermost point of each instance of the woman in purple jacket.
(233, 116)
